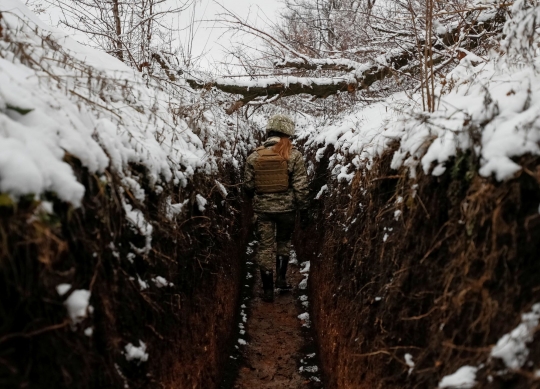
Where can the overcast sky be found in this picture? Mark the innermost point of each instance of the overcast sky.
(210, 38)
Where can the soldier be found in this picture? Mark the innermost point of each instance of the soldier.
(276, 178)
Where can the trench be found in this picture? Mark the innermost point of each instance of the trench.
(410, 281)
(406, 285)
(274, 345)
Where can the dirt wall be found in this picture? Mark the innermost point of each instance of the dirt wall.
(187, 327)
(437, 267)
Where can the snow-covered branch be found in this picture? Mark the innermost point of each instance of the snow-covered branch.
(277, 86)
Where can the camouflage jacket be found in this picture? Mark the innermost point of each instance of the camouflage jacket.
(295, 198)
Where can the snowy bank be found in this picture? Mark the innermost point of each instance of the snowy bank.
(59, 98)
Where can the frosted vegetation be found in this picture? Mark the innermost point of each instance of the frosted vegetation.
(61, 100)
(59, 97)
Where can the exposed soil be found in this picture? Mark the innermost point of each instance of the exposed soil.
(186, 327)
(438, 268)
(276, 341)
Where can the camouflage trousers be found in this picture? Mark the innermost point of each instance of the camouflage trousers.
(274, 231)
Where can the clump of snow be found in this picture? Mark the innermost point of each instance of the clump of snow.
(242, 342)
(221, 189)
(306, 266)
(62, 289)
(324, 188)
(139, 224)
(77, 303)
(303, 284)
(142, 284)
(201, 202)
(134, 353)
(409, 362)
(463, 378)
(512, 347)
(308, 369)
(161, 282)
(175, 209)
(305, 318)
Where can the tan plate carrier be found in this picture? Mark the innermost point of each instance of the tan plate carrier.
(271, 173)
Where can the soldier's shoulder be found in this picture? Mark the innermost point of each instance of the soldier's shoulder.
(296, 154)
(253, 155)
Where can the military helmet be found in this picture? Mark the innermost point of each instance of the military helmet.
(280, 123)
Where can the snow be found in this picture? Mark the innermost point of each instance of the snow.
(308, 369)
(142, 284)
(161, 282)
(409, 362)
(140, 225)
(134, 353)
(59, 98)
(221, 189)
(303, 284)
(77, 303)
(324, 188)
(463, 378)
(305, 318)
(201, 202)
(489, 106)
(62, 289)
(305, 267)
(174, 210)
(512, 347)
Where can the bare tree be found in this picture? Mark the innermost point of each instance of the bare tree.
(135, 32)
(338, 46)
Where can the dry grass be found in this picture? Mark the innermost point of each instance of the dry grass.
(187, 328)
(452, 276)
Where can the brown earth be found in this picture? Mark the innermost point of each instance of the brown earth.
(439, 268)
(272, 355)
(187, 327)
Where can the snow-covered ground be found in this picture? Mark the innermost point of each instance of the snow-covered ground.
(488, 106)
(61, 100)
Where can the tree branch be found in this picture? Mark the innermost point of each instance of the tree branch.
(359, 76)
(282, 86)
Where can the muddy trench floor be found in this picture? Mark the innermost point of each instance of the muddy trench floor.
(280, 352)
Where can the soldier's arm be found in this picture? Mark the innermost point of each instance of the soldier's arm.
(300, 183)
(249, 177)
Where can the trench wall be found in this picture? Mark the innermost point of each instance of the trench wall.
(438, 267)
(186, 327)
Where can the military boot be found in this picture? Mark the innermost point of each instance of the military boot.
(267, 278)
(281, 270)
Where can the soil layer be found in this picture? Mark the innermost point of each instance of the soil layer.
(432, 271)
(186, 326)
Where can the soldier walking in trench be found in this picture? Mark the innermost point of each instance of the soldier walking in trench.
(275, 176)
